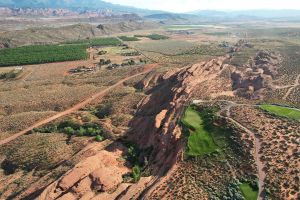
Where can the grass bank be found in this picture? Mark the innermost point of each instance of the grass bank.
(281, 111)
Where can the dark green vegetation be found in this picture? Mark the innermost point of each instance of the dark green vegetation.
(140, 167)
(71, 128)
(281, 111)
(36, 54)
(153, 36)
(10, 75)
(249, 190)
(109, 41)
(200, 141)
(128, 39)
(41, 54)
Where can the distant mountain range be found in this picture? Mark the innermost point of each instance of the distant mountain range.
(99, 5)
(248, 13)
(75, 5)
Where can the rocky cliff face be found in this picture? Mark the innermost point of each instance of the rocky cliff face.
(258, 75)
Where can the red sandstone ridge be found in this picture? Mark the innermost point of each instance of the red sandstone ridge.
(154, 125)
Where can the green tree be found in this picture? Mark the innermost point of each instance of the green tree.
(99, 138)
(81, 132)
(69, 130)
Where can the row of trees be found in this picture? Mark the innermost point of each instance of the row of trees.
(71, 128)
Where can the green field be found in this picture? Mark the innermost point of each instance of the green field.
(281, 111)
(37, 54)
(97, 42)
(192, 27)
(153, 36)
(128, 39)
(200, 141)
(248, 192)
(41, 54)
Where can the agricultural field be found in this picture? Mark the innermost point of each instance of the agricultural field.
(192, 27)
(108, 41)
(128, 39)
(153, 36)
(36, 54)
(41, 54)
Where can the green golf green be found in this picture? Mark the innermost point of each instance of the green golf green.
(281, 111)
(248, 192)
(200, 141)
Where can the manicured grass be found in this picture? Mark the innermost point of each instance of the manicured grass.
(200, 141)
(281, 111)
(248, 192)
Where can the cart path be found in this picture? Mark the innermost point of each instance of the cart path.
(296, 84)
(99, 95)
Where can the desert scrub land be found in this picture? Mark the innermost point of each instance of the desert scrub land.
(37, 157)
(281, 111)
(47, 90)
(279, 149)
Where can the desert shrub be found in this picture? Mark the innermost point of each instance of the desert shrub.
(102, 111)
(104, 62)
(136, 173)
(102, 52)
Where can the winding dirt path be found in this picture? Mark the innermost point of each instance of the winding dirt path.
(297, 83)
(99, 95)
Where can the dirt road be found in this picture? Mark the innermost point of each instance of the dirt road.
(99, 95)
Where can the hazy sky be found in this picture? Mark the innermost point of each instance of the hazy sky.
(190, 5)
